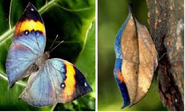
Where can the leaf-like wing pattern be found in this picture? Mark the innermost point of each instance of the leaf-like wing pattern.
(139, 59)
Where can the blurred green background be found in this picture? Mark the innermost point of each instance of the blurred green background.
(111, 15)
(74, 22)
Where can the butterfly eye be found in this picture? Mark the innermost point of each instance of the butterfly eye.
(26, 32)
(62, 85)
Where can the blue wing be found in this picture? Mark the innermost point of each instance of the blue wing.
(28, 44)
(57, 81)
(118, 64)
(120, 80)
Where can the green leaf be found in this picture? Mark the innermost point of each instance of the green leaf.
(71, 20)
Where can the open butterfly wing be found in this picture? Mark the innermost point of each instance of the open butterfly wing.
(57, 81)
(28, 44)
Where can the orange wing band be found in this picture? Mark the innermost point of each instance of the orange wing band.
(29, 25)
(120, 77)
(70, 81)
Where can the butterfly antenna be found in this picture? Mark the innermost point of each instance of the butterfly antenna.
(53, 42)
(162, 56)
(57, 46)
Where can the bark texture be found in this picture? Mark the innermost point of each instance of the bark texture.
(166, 19)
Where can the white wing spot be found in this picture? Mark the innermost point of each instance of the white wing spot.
(62, 85)
(176, 100)
(32, 9)
(26, 32)
(85, 84)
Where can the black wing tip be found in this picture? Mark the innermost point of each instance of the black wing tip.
(82, 82)
(31, 13)
(30, 5)
(89, 90)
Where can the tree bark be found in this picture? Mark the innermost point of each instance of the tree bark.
(166, 19)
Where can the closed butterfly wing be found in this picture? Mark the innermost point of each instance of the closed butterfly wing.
(28, 44)
(118, 65)
(58, 81)
(139, 59)
(136, 60)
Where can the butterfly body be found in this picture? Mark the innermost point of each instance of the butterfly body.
(42, 59)
(51, 80)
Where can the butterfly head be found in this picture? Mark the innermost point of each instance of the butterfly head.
(47, 54)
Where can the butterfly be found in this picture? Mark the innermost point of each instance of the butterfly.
(136, 60)
(51, 80)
